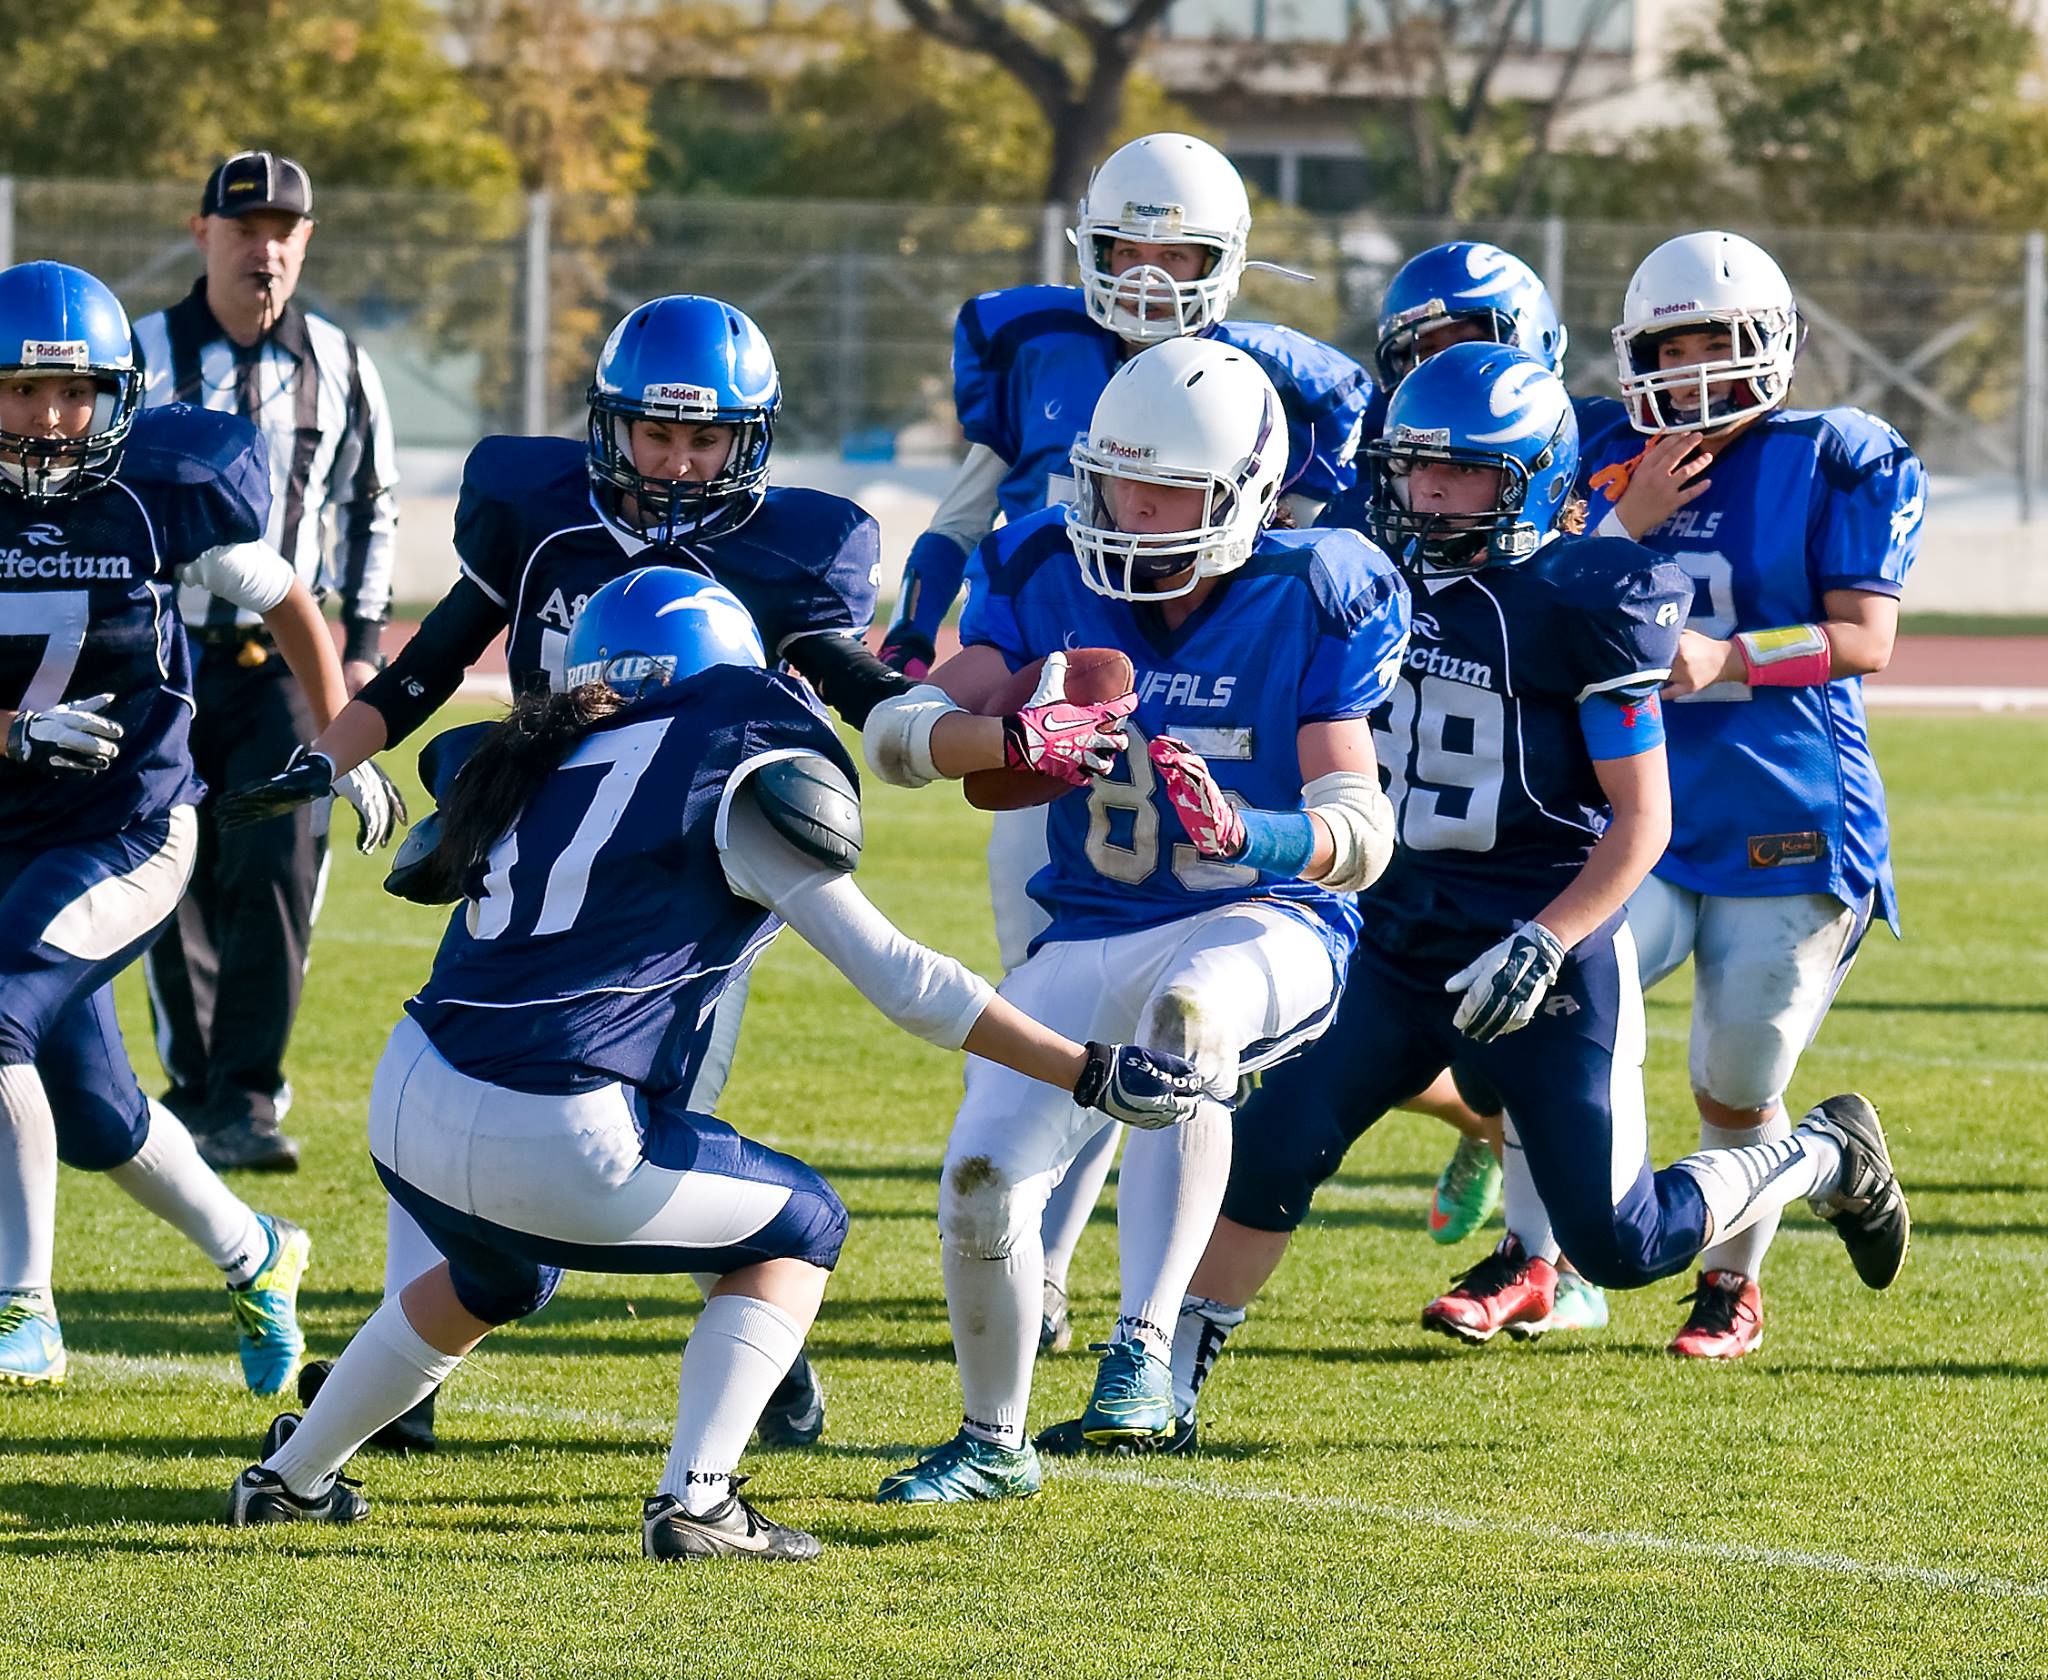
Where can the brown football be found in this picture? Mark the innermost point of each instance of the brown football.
(1093, 675)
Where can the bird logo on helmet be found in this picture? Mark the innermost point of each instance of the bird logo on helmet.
(57, 320)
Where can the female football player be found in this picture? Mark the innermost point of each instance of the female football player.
(1265, 648)
(1526, 751)
(625, 846)
(105, 508)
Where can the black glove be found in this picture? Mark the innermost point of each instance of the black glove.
(71, 736)
(1505, 982)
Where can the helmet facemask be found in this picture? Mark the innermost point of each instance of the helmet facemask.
(1754, 378)
(672, 510)
(1145, 304)
(1450, 544)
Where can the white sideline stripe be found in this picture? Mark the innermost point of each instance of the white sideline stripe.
(1930, 697)
(483, 685)
(120, 1368)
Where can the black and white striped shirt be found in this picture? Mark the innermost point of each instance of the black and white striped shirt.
(315, 396)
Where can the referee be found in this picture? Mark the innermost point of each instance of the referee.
(225, 978)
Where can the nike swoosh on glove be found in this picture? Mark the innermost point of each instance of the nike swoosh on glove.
(1204, 808)
(1143, 1088)
(70, 737)
(1505, 982)
(1061, 738)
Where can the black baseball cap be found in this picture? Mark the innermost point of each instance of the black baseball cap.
(258, 181)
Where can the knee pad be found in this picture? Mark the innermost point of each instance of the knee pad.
(517, 1289)
(1745, 1064)
(982, 1212)
(1178, 1021)
(95, 1132)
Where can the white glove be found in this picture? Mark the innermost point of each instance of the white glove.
(380, 807)
(69, 736)
(1504, 983)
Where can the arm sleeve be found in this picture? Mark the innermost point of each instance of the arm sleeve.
(431, 666)
(365, 510)
(253, 575)
(1361, 636)
(848, 678)
(1615, 728)
(1866, 534)
(921, 990)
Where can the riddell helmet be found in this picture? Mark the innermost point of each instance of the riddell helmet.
(1165, 189)
(55, 319)
(1188, 414)
(1482, 405)
(1463, 281)
(1706, 280)
(657, 626)
(685, 359)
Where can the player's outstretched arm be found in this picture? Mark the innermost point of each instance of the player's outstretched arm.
(938, 561)
(301, 635)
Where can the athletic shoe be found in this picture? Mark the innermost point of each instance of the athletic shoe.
(1055, 1329)
(733, 1529)
(1726, 1321)
(1065, 1440)
(1467, 1192)
(244, 1145)
(1577, 1305)
(1507, 1287)
(409, 1432)
(266, 1309)
(1868, 1211)
(259, 1496)
(795, 1413)
(1133, 1398)
(965, 1468)
(31, 1343)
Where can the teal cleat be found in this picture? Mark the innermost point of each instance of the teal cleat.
(1133, 1398)
(31, 1344)
(267, 1310)
(966, 1468)
(1467, 1192)
(1576, 1305)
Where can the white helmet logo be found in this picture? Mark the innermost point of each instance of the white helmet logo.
(1493, 271)
(1513, 400)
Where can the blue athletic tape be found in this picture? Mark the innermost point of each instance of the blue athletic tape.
(1620, 728)
(1278, 842)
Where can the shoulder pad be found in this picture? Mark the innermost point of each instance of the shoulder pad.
(442, 758)
(406, 878)
(519, 468)
(811, 804)
(207, 472)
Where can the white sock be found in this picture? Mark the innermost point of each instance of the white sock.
(28, 1182)
(167, 1177)
(993, 1306)
(408, 1251)
(385, 1371)
(1073, 1200)
(1198, 1337)
(731, 1364)
(1528, 1221)
(1742, 1186)
(1167, 1202)
(1744, 1252)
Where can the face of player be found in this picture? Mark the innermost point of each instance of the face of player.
(252, 263)
(685, 452)
(1179, 261)
(1690, 348)
(43, 405)
(1452, 488)
(1153, 509)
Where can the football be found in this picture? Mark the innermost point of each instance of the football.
(1093, 675)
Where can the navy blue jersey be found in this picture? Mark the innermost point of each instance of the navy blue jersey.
(1481, 747)
(1309, 631)
(86, 608)
(529, 535)
(1774, 790)
(1030, 362)
(601, 930)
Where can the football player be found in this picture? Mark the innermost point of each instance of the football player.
(1797, 529)
(674, 464)
(105, 509)
(624, 846)
(1263, 648)
(1525, 748)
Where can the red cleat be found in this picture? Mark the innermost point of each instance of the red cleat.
(1507, 1287)
(1727, 1318)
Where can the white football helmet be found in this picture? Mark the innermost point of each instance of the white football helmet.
(1706, 280)
(1164, 189)
(1188, 414)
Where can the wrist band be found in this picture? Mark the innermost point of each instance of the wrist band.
(1796, 656)
(1277, 842)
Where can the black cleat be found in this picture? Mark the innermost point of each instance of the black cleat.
(260, 1496)
(1868, 1212)
(1065, 1440)
(409, 1432)
(670, 1534)
(246, 1146)
(795, 1413)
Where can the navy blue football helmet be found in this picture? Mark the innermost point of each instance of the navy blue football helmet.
(55, 319)
(685, 359)
(1479, 405)
(1463, 281)
(656, 626)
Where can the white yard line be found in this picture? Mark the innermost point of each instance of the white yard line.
(1930, 697)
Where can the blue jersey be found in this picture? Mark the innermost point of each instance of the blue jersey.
(530, 536)
(1482, 747)
(1774, 790)
(1309, 631)
(86, 608)
(601, 930)
(1030, 362)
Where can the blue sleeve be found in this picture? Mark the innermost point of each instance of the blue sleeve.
(1871, 498)
(931, 579)
(489, 539)
(990, 616)
(208, 475)
(1615, 728)
(844, 598)
(1617, 618)
(1361, 630)
(978, 382)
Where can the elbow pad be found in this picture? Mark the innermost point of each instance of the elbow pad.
(810, 803)
(1361, 823)
(897, 738)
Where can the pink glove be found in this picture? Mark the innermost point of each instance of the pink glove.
(1204, 808)
(1061, 738)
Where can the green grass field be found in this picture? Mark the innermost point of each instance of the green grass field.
(1863, 1496)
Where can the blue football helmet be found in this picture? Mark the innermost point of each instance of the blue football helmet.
(55, 319)
(685, 359)
(1463, 281)
(1479, 405)
(656, 626)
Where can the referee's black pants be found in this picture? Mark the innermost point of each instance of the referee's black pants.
(225, 978)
